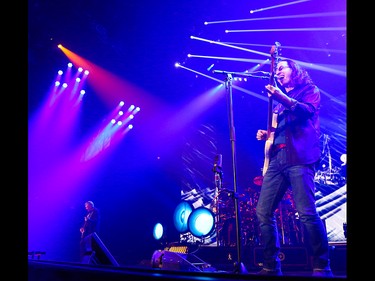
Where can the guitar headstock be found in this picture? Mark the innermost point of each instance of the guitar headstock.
(275, 49)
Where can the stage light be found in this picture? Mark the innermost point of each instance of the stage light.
(158, 231)
(179, 249)
(181, 216)
(201, 222)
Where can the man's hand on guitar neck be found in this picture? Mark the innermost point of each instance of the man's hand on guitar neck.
(279, 96)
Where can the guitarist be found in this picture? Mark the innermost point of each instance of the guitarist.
(90, 225)
(293, 157)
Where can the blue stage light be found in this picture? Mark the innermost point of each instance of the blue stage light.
(201, 222)
(181, 216)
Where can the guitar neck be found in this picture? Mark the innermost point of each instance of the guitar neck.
(269, 121)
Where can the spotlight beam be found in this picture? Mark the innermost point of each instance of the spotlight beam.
(223, 82)
(278, 6)
(230, 46)
(253, 93)
(322, 68)
(305, 64)
(289, 29)
(334, 99)
(313, 15)
(202, 74)
(229, 58)
(290, 47)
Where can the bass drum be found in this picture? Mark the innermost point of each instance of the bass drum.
(249, 233)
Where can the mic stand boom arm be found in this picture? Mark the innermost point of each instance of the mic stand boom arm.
(242, 74)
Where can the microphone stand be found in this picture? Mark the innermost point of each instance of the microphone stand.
(239, 267)
(264, 75)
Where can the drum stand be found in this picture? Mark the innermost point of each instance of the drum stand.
(217, 169)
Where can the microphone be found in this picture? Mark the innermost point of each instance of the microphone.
(218, 162)
(220, 71)
(268, 74)
(255, 74)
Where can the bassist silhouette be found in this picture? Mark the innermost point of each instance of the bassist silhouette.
(90, 225)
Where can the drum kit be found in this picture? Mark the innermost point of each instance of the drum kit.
(330, 177)
(290, 230)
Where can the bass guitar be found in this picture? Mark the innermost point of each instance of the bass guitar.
(83, 228)
(271, 118)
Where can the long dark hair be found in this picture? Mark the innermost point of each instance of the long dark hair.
(299, 75)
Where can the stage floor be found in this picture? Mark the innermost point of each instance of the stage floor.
(40, 270)
(205, 263)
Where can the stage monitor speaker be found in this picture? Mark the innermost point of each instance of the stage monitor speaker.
(179, 261)
(338, 254)
(97, 252)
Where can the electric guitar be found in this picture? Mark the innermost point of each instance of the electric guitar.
(83, 228)
(272, 118)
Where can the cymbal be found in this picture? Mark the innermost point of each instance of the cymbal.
(258, 180)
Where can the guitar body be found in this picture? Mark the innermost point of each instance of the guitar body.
(267, 151)
(269, 142)
(272, 118)
(83, 228)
